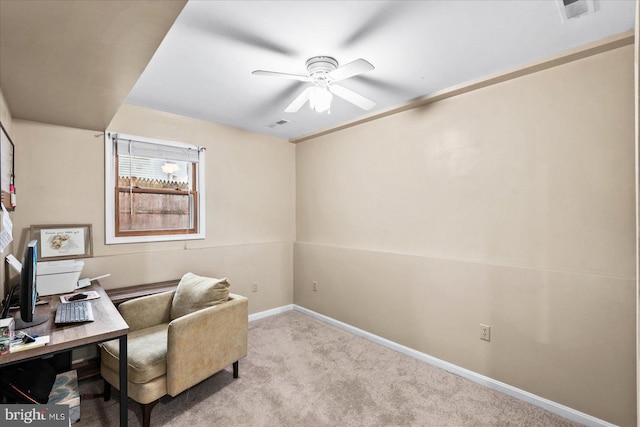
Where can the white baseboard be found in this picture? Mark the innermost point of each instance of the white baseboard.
(525, 396)
(272, 312)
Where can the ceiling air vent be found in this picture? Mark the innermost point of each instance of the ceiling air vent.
(279, 123)
(570, 9)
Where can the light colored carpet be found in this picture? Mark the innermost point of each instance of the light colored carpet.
(303, 372)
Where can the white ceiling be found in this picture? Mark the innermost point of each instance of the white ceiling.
(203, 67)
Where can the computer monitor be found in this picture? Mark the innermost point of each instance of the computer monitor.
(29, 289)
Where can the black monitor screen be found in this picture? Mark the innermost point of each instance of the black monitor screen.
(29, 289)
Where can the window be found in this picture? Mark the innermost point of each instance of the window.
(154, 189)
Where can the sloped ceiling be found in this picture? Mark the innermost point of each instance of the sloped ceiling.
(73, 63)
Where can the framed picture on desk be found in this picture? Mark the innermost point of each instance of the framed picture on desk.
(66, 241)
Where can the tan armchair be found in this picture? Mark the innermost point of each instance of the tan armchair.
(168, 356)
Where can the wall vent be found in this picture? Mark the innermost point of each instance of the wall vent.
(571, 9)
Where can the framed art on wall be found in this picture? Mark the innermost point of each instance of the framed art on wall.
(56, 242)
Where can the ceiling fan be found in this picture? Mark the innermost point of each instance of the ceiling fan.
(323, 72)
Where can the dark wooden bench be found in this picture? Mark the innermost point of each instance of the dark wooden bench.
(121, 295)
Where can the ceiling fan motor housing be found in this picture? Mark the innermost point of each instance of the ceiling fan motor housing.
(319, 67)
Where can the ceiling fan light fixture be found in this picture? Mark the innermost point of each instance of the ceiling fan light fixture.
(320, 99)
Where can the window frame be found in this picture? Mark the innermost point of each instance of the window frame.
(111, 179)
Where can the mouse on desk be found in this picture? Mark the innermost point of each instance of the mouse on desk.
(77, 297)
(28, 338)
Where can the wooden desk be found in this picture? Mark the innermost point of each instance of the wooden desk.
(108, 325)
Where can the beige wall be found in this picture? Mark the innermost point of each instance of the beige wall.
(7, 122)
(512, 205)
(250, 220)
(637, 145)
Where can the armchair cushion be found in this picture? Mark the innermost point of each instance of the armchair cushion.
(147, 354)
(196, 292)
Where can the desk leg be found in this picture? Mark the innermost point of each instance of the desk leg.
(124, 395)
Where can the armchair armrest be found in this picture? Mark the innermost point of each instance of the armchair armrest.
(202, 343)
(144, 312)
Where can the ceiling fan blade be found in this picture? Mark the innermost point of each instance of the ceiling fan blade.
(205, 23)
(386, 14)
(299, 101)
(284, 75)
(278, 98)
(351, 69)
(352, 97)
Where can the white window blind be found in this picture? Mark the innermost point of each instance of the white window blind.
(129, 147)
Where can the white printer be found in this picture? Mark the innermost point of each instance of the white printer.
(58, 277)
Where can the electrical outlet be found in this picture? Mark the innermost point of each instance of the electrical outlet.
(485, 332)
(315, 286)
(254, 287)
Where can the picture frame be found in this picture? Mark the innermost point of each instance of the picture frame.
(7, 171)
(63, 241)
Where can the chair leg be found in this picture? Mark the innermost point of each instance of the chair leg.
(235, 369)
(107, 391)
(146, 412)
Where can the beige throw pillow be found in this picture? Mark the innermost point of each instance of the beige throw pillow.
(197, 292)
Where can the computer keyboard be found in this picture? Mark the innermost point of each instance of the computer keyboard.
(74, 312)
